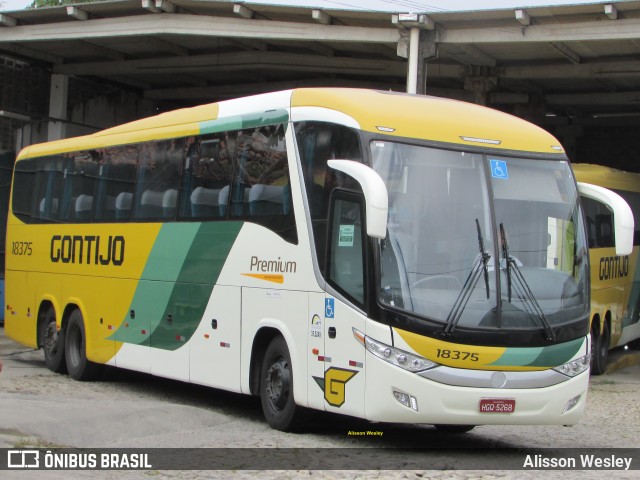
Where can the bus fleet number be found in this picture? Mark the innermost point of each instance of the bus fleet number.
(21, 248)
(457, 355)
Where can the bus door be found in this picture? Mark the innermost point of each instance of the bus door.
(344, 380)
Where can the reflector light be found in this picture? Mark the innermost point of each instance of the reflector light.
(481, 140)
(571, 403)
(406, 400)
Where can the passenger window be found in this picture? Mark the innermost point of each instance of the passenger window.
(346, 263)
(599, 223)
(83, 179)
(207, 174)
(261, 189)
(49, 187)
(115, 182)
(25, 192)
(158, 180)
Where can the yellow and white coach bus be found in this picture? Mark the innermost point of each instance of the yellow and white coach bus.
(393, 257)
(615, 280)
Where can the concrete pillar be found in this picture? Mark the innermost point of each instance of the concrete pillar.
(414, 58)
(417, 45)
(23, 137)
(480, 85)
(58, 98)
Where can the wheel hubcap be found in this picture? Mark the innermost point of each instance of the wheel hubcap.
(277, 384)
(51, 339)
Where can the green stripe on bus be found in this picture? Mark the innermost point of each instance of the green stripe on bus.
(176, 284)
(163, 266)
(518, 356)
(240, 122)
(190, 296)
(552, 355)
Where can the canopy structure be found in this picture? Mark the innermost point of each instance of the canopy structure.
(564, 67)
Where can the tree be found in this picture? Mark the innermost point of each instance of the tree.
(57, 3)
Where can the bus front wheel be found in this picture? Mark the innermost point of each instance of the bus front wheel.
(600, 349)
(53, 343)
(78, 366)
(276, 388)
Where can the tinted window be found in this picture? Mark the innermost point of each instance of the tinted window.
(319, 142)
(158, 179)
(240, 174)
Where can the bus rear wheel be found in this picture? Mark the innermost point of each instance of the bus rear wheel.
(53, 343)
(78, 366)
(276, 388)
(600, 349)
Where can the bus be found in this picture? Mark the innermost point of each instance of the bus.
(393, 257)
(615, 280)
(6, 170)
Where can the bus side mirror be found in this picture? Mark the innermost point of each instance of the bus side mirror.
(375, 194)
(622, 214)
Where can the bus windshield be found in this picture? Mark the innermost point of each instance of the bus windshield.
(480, 241)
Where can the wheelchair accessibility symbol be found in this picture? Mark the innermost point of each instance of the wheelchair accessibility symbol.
(499, 169)
(329, 310)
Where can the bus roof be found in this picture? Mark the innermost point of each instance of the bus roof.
(431, 118)
(385, 113)
(607, 177)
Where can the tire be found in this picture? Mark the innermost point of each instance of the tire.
(53, 343)
(276, 388)
(454, 428)
(634, 344)
(600, 350)
(78, 366)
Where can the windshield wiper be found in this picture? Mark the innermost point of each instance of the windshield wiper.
(522, 287)
(470, 283)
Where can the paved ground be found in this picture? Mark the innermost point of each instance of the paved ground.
(125, 409)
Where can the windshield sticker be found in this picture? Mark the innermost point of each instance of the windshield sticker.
(499, 169)
(346, 235)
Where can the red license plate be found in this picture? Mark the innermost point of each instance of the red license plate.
(497, 405)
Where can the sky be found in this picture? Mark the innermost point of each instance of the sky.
(423, 6)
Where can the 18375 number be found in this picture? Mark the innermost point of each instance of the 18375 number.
(21, 248)
(457, 355)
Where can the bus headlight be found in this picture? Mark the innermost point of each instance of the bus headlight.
(395, 356)
(575, 367)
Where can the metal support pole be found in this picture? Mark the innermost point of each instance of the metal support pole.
(412, 73)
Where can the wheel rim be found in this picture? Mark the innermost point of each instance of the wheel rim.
(604, 344)
(75, 346)
(278, 383)
(51, 339)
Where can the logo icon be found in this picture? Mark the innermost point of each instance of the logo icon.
(334, 384)
(23, 459)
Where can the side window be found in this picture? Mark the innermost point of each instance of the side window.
(345, 259)
(115, 183)
(48, 188)
(158, 179)
(206, 177)
(319, 142)
(599, 223)
(633, 199)
(79, 175)
(24, 191)
(261, 187)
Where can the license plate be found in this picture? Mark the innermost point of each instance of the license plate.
(497, 405)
